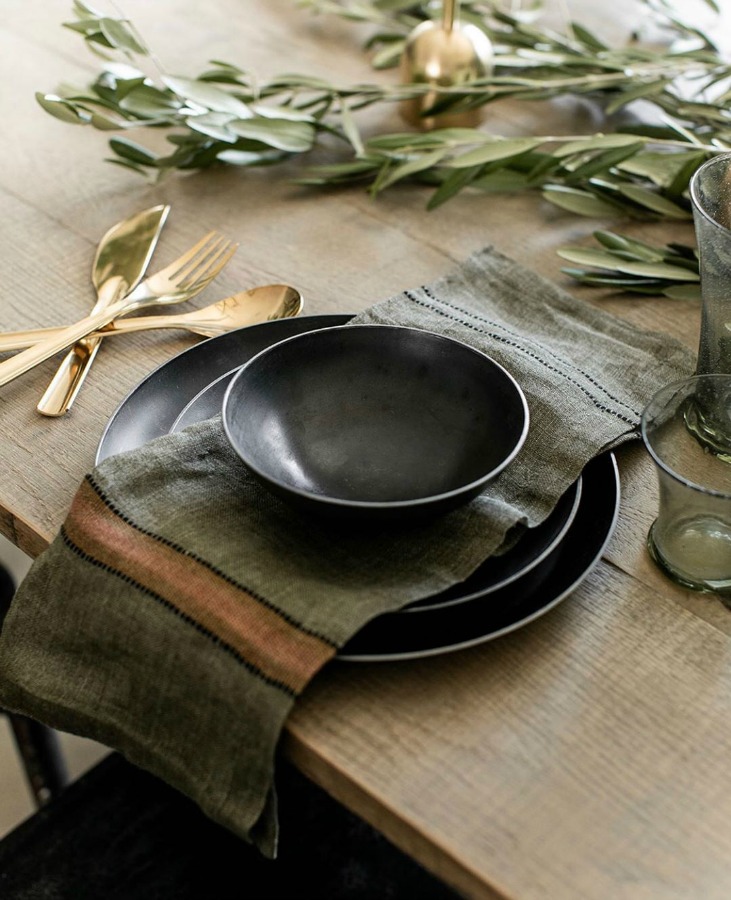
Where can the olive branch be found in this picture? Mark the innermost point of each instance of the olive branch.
(627, 264)
(226, 115)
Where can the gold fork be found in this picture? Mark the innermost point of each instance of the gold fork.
(179, 281)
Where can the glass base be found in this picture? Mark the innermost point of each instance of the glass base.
(711, 431)
(704, 546)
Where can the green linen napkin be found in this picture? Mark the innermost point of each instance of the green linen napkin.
(182, 609)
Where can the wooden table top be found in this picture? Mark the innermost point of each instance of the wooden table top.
(584, 756)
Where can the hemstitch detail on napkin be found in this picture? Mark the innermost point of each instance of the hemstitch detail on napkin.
(271, 645)
(463, 320)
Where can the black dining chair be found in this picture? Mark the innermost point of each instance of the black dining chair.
(37, 745)
(119, 833)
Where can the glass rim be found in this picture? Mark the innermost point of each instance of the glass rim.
(694, 184)
(676, 476)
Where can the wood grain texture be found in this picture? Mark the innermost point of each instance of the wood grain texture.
(585, 756)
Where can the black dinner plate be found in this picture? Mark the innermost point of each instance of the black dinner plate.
(151, 408)
(392, 637)
(560, 553)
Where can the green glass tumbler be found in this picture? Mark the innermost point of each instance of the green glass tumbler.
(710, 192)
(690, 539)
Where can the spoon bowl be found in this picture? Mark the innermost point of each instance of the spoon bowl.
(250, 307)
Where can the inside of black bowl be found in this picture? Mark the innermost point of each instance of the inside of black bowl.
(374, 414)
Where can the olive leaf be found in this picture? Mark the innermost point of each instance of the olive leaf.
(351, 131)
(629, 248)
(62, 109)
(338, 173)
(451, 185)
(499, 149)
(586, 256)
(654, 201)
(207, 96)
(282, 134)
(133, 152)
(214, 125)
(148, 102)
(597, 142)
(628, 264)
(581, 202)
(119, 35)
(501, 181)
(406, 169)
(683, 292)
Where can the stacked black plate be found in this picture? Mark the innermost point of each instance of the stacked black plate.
(505, 593)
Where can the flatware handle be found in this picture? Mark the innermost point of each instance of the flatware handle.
(66, 383)
(21, 340)
(62, 340)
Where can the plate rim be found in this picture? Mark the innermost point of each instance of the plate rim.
(515, 625)
(519, 573)
(195, 349)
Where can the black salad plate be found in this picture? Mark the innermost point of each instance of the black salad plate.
(535, 545)
(544, 567)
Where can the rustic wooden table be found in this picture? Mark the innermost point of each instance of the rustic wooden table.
(584, 756)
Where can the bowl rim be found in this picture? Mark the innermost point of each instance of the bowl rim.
(327, 500)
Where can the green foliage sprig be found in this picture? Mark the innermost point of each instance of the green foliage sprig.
(224, 115)
(628, 264)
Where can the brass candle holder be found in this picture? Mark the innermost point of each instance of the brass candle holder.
(446, 54)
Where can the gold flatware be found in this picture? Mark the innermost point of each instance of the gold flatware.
(179, 281)
(121, 260)
(444, 55)
(250, 307)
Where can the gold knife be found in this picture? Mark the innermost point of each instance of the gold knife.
(120, 262)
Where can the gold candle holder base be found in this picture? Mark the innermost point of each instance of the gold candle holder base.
(443, 55)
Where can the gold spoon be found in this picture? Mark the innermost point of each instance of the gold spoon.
(259, 304)
(444, 55)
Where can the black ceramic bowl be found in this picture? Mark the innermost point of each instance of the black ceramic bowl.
(374, 422)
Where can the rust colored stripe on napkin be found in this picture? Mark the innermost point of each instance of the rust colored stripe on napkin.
(269, 643)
